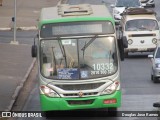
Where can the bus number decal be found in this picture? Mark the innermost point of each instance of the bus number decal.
(102, 68)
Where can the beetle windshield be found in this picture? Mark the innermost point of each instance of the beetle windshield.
(141, 25)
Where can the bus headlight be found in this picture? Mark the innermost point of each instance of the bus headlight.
(48, 91)
(130, 41)
(112, 88)
(154, 41)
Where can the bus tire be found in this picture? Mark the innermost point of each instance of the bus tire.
(112, 111)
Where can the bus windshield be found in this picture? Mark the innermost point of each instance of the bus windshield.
(78, 58)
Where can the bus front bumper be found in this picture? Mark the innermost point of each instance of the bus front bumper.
(53, 104)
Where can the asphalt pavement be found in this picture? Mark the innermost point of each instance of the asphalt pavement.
(15, 59)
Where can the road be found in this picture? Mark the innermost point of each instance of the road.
(23, 37)
(139, 92)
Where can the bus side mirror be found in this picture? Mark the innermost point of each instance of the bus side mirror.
(122, 44)
(121, 49)
(119, 32)
(34, 48)
(34, 51)
(125, 42)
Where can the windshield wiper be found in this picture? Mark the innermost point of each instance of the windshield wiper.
(53, 58)
(87, 44)
(63, 52)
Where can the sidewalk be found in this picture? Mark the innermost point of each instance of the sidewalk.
(15, 60)
(16, 63)
(28, 12)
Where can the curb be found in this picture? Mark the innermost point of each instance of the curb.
(31, 27)
(20, 86)
(20, 28)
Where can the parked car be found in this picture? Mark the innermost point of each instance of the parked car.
(155, 59)
(121, 5)
(140, 28)
(148, 3)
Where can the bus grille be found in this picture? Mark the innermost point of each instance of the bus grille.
(80, 86)
(77, 94)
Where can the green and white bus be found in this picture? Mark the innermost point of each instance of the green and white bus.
(78, 58)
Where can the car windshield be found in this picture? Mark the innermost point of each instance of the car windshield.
(141, 25)
(80, 58)
(128, 3)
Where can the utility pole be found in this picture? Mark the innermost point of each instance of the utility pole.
(14, 19)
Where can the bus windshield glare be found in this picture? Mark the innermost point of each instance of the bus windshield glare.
(78, 58)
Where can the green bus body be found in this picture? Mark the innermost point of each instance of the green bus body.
(49, 104)
(62, 103)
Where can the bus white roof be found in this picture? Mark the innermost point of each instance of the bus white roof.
(66, 10)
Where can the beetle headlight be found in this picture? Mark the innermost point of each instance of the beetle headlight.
(130, 41)
(154, 41)
(48, 91)
(112, 88)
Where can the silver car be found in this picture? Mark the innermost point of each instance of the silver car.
(148, 3)
(155, 58)
(121, 5)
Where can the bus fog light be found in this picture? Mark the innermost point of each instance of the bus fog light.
(111, 89)
(154, 41)
(48, 91)
(130, 41)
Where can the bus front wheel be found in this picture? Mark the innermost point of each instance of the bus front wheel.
(112, 111)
